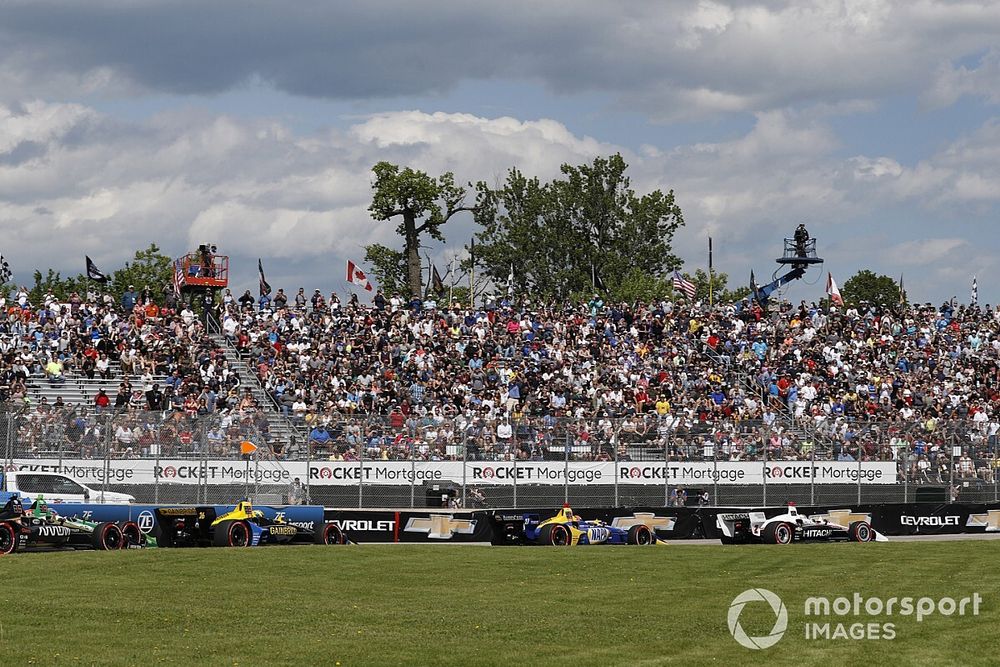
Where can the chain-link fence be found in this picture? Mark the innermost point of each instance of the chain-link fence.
(400, 461)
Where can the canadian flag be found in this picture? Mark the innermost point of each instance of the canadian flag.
(832, 291)
(357, 277)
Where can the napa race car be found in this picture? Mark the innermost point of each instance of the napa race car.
(568, 529)
(243, 526)
(41, 526)
(756, 527)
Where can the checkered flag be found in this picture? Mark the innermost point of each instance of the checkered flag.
(5, 274)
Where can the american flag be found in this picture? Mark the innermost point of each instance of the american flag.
(178, 277)
(682, 284)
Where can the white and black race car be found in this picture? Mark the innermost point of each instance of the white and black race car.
(756, 527)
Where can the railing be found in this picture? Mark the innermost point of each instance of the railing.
(406, 461)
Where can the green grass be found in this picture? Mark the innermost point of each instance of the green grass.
(430, 605)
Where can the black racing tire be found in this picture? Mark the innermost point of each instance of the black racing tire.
(861, 531)
(556, 535)
(640, 535)
(133, 534)
(232, 534)
(107, 536)
(9, 537)
(330, 534)
(780, 532)
(725, 539)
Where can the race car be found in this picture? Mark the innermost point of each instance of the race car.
(756, 527)
(13, 534)
(243, 526)
(41, 526)
(568, 529)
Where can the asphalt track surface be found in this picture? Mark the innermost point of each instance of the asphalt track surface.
(706, 543)
(892, 538)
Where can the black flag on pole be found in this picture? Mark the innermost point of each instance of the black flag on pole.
(437, 284)
(94, 273)
(265, 288)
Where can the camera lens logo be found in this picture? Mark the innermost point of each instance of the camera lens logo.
(780, 622)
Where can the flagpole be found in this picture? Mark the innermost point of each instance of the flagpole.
(451, 283)
(430, 277)
(711, 295)
(472, 274)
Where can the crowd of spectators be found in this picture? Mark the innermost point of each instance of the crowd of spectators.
(590, 381)
(600, 381)
(175, 390)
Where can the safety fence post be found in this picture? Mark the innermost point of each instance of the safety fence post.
(906, 471)
(667, 445)
(107, 457)
(567, 445)
(763, 470)
(812, 474)
(515, 482)
(465, 462)
(308, 470)
(361, 470)
(860, 458)
(615, 445)
(715, 472)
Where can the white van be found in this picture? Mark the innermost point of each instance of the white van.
(59, 489)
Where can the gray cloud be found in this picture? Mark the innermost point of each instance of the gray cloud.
(669, 59)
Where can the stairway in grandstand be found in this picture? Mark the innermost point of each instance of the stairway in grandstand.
(77, 389)
(280, 427)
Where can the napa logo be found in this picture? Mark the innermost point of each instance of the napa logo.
(757, 595)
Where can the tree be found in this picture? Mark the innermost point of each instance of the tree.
(585, 231)
(423, 203)
(867, 288)
(52, 281)
(149, 268)
(388, 268)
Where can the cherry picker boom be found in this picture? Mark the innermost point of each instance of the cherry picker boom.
(799, 254)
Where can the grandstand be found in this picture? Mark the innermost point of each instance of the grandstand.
(508, 383)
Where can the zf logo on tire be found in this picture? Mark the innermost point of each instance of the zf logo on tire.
(780, 622)
(145, 521)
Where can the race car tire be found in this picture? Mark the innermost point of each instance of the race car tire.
(232, 534)
(107, 536)
(9, 533)
(778, 533)
(556, 535)
(640, 535)
(726, 539)
(133, 535)
(330, 534)
(861, 531)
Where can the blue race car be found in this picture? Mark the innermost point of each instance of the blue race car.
(568, 529)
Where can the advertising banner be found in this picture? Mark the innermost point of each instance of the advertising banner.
(756, 472)
(478, 473)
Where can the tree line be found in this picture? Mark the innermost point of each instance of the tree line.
(584, 232)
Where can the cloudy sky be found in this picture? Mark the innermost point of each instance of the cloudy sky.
(254, 125)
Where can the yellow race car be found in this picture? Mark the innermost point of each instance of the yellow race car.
(243, 526)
